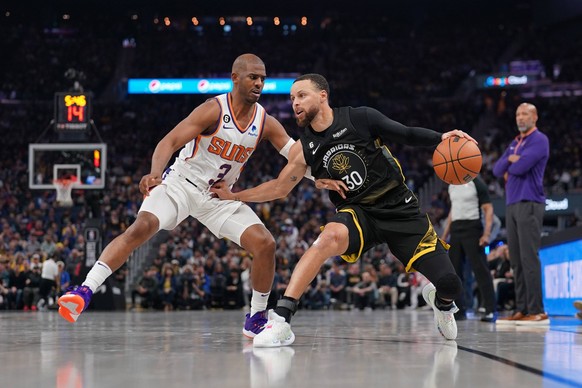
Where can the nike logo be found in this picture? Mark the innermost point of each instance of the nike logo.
(408, 199)
(226, 127)
(315, 150)
(264, 295)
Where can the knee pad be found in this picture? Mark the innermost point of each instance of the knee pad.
(449, 286)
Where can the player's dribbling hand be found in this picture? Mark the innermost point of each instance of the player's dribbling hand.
(148, 182)
(222, 190)
(459, 133)
(332, 184)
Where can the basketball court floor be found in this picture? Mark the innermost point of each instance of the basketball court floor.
(381, 348)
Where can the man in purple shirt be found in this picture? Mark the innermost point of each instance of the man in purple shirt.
(522, 165)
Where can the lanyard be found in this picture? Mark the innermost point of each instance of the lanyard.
(520, 141)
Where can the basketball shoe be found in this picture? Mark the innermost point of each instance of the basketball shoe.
(276, 333)
(255, 324)
(74, 302)
(443, 320)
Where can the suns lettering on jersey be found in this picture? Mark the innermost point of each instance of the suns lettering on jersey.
(228, 151)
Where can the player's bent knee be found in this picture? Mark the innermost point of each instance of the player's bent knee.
(332, 239)
(143, 228)
(263, 245)
(449, 286)
(268, 244)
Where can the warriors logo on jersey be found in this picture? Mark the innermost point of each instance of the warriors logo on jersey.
(344, 163)
(342, 152)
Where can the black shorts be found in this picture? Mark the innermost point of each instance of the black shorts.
(396, 220)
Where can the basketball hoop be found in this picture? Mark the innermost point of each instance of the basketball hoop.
(64, 189)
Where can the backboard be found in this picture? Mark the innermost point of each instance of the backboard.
(50, 161)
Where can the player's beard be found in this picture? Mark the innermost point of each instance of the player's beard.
(309, 116)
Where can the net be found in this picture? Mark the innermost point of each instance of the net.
(64, 189)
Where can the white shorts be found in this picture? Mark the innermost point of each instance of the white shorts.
(176, 199)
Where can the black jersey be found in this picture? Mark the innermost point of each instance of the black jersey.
(352, 149)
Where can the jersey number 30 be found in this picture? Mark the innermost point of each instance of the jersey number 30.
(353, 180)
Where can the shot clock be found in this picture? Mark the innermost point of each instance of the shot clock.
(72, 111)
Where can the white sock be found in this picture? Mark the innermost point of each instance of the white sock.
(259, 301)
(97, 275)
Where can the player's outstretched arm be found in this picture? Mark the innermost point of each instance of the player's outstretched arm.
(288, 178)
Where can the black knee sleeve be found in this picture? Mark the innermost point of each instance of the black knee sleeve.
(449, 286)
(439, 270)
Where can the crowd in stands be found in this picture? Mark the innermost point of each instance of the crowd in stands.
(410, 71)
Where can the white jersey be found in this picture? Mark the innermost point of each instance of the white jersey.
(221, 155)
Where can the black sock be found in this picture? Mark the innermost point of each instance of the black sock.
(443, 305)
(283, 309)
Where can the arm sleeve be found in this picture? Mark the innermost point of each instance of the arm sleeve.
(392, 131)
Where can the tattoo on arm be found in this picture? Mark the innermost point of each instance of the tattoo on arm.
(293, 178)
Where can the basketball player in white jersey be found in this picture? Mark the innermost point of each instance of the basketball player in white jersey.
(217, 138)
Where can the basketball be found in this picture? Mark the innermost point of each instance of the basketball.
(457, 160)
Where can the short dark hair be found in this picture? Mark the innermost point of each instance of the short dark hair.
(317, 79)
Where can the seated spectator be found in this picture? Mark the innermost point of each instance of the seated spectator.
(282, 276)
(365, 292)
(387, 289)
(17, 283)
(316, 296)
(190, 296)
(353, 278)
(337, 281)
(31, 289)
(217, 286)
(168, 287)
(233, 297)
(64, 277)
(146, 289)
(500, 266)
(404, 287)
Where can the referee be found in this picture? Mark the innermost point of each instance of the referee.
(469, 238)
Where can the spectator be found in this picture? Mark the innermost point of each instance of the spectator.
(168, 287)
(500, 266)
(337, 282)
(353, 278)
(387, 288)
(147, 289)
(316, 296)
(365, 292)
(31, 289)
(65, 278)
(233, 298)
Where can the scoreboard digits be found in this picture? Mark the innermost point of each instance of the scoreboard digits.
(72, 111)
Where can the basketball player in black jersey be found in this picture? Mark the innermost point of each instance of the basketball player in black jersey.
(346, 150)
